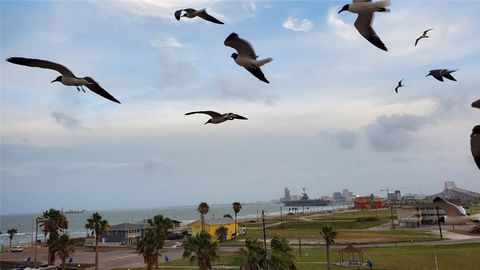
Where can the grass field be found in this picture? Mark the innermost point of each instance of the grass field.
(449, 257)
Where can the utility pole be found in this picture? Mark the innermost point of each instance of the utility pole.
(281, 218)
(36, 242)
(300, 247)
(264, 234)
(439, 225)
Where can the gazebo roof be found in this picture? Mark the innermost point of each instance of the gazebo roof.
(351, 248)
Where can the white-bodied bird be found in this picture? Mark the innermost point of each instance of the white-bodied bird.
(399, 85)
(424, 35)
(365, 10)
(218, 118)
(246, 56)
(439, 74)
(192, 13)
(67, 78)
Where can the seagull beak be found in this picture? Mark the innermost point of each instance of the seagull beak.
(206, 123)
(53, 81)
(428, 75)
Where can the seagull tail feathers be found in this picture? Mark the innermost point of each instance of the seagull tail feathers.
(264, 61)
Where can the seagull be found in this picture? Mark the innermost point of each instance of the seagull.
(192, 13)
(67, 78)
(246, 56)
(475, 144)
(440, 73)
(476, 104)
(365, 10)
(399, 85)
(218, 118)
(424, 35)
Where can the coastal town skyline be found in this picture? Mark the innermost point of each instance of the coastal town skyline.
(328, 119)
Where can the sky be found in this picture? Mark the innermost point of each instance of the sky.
(329, 119)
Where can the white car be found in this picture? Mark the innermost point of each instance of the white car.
(16, 249)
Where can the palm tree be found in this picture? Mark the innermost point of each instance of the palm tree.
(253, 258)
(236, 208)
(328, 234)
(11, 234)
(201, 250)
(149, 247)
(280, 256)
(99, 226)
(221, 233)
(160, 226)
(52, 222)
(63, 246)
(203, 209)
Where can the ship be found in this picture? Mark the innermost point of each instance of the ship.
(305, 201)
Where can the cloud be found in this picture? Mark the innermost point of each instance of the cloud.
(230, 89)
(393, 133)
(66, 121)
(339, 27)
(166, 42)
(345, 139)
(299, 25)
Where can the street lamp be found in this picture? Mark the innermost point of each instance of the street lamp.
(37, 220)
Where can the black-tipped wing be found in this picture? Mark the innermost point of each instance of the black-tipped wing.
(450, 209)
(364, 27)
(416, 41)
(257, 72)
(476, 104)
(449, 76)
(475, 145)
(426, 31)
(204, 15)
(211, 113)
(237, 116)
(41, 64)
(178, 14)
(438, 76)
(97, 89)
(243, 47)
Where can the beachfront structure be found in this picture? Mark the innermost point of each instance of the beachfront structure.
(456, 195)
(211, 226)
(417, 215)
(368, 202)
(131, 233)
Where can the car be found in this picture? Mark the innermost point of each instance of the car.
(16, 249)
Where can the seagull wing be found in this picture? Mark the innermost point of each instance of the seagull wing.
(358, 1)
(41, 64)
(237, 116)
(449, 76)
(211, 113)
(437, 76)
(416, 41)
(450, 209)
(257, 72)
(476, 104)
(178, 14)
(426, 31)
(204, 15)
(475, 147)
(364, 27)
(243, 47)
(97, 89)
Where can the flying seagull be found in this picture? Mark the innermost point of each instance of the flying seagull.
(246, 56)
(475, 144)
(399, 85)
(476, 104)
(218, 118)
(365, 10)
(439, 74)
(192, 13)
(424, 35)
(67, 78)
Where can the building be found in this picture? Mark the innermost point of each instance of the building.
(211, 226)
(348, 195)
(337, 196)
(368, 202)
(396, 196)
(457, 195)
(286, 195)
(124, 234)
(417, 215)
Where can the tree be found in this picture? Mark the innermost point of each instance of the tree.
(203, 209)
(281, 255)
(254, 256)
(64, 247)
(160, 226)
(221, 233)
(53, 221)
(99, 226)
(11, 234)
(149, 247)
(201, 250)
(328, 234)
(236, 208)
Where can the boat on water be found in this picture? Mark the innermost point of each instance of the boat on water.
(306, 201)
(75, 211)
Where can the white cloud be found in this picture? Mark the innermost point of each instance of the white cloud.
(339, 27)
(299, 25)
(166, 42)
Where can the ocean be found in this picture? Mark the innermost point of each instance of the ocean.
(25, 223)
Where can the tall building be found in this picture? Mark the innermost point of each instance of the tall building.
(337, 196)
(286, 195)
